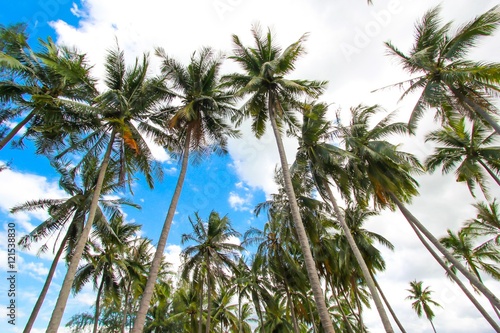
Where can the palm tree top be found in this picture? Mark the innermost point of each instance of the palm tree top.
(422, 297)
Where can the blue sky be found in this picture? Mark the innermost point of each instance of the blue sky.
(344, 46)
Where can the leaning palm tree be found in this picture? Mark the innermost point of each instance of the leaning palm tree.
(323, 159)
(385, 176)
(422, 301)
(469, 153)
(44, 89)
(444, 74)
(487, 222)
(122, 112)
(212, 251)
(273, 97)
(67, 218)
(198, 125)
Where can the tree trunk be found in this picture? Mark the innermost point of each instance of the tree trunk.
(299, 228)
(98, 305)
(473, 280)
(457, 280)
(291, 307)
(433, 328)
(155, 264)
(476, 108)
(396, 319)
(490, 172)
(45, 288)
(361, 262)
(341, 309)
(200, 321)
(209, 295)
(125, 309)
(16, 129)
(62, 299)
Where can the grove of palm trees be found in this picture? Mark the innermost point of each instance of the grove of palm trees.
(230, 191)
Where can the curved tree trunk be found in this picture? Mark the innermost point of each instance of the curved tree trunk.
(361, 262)
(299, 228)
(162, 242)
(98, 305)
(432, 324)
(476, 108)
(62, 299)
(396, 319)
(45, 288)
(473, 280)
(16, 129)
(455, 278)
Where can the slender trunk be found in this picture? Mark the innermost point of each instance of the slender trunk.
(433, 328)
(259, 314)
(98, 305)
(362, 264)
(360, 314)
(476, 108)
(349, 305)
(299, 228)
(456, 279)
(62, 299)
(490, 172)
(200, 321)
(125, 310)
(155, 264)
(45, 288)
(396, 319)
(473, 280)
(291, 307)
(209, 295)
(342, 312)
(16, 129)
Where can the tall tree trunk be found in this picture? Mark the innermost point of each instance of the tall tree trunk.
(490, 172)
(455, 278)
(200, 321)
(16, 129)
(299, 228)
(432, 324)
(125, 309)
(476, 108)
(62, 299)
(98, 305)
(473, 280)
(362, 264)
(45, 289)
(155, 264)
(209, 295)
(396, 319)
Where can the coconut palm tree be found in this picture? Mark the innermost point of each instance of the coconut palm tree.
(45, 90)
(486, 223)
(105, 262)
(444, 74)
(212, 253)
(67, 217)
(122, 111)
(273, 97)
(198, 125)
(322, 160)
(422, 301)
(469, 153)
(385, 176)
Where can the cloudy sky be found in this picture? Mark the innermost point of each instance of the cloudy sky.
(345, 47)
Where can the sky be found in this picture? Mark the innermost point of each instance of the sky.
(344, 46)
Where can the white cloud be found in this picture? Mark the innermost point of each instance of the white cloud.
(240, 203)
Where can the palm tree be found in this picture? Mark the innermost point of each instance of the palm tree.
(470, 150)
(422, 301)
(477, 258)
(212, 253)
(44, 89)
(445, 75)
(105, 262)
(67, 217)
(273, 97)
(323, 160)
(487, 222)
(122, 111)
(199, 125)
